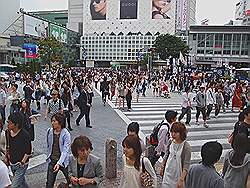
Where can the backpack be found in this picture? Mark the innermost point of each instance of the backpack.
(153, 138)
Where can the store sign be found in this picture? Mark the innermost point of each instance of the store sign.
(181, 15)
(60, 33)
(31, 50)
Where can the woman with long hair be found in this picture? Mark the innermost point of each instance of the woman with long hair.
(237, 97)
(132, 164)
(237, 164)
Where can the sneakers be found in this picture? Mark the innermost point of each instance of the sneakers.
(187, 125)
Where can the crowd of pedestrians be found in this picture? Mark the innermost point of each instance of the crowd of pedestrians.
(67, 90)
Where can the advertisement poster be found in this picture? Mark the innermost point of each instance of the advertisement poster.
(98, 9)
(128, 9)
(181, 15)
(35, 27)
(31, 50)
(161, 8)
(60, 33)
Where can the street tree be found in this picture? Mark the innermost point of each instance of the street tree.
(170, 46)
(50, 50)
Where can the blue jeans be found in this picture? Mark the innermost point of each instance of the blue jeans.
(18, 180)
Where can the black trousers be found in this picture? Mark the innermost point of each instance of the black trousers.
(201, 110)
(84, 112)
(209, 109)
(51, 175)
(185, 111)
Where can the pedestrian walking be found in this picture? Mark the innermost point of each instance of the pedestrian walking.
(176, 164)
(84, 106)
(3, 100)
(15, 97)
(85, 169)
(58, 146)
(120, 94)
(211, 99)
(128, 96)
(55, 105)
(219, 101)
(201, 101)
(18, 149)
(237, 98)
(5, 181)
(186, 106)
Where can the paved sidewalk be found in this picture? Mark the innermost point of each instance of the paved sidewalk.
(106, 124)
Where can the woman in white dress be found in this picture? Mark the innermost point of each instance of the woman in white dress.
(132, 164)
(177, 163)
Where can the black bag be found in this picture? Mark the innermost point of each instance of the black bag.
(153, 138)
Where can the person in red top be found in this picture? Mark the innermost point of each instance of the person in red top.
(237, 98)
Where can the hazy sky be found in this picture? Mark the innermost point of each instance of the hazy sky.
(217, 11)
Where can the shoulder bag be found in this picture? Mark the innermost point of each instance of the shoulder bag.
(146, 179)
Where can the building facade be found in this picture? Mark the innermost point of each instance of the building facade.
(117, 31)
(218, 45)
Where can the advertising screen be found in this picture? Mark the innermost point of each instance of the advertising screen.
(31, 50)
(98, 9)
(128, 9)
(35, 27)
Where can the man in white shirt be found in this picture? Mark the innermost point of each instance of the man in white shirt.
(4, 176)
(210, 99)
(186, 106)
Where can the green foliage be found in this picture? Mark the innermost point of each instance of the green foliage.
(170, 46)
(29, 68)
(50, 50)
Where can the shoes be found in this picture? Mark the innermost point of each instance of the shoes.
(70, 129)
(89, 126)
(205, 125)
(77, 123)
(187, 125)
(197, 122)
(215, 117)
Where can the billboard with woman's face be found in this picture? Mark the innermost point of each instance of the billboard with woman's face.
(98, 9)
(128, 9)
(160, 9)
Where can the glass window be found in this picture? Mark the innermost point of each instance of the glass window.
(201, 40)
(209, 40)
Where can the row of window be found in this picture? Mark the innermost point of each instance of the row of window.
(224, 52)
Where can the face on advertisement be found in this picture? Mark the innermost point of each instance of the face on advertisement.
(98, 9)
(160, 8)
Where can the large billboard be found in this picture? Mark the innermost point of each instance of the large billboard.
(161, 8)
(128, 9)
(60, 33)
(98, 9)
(35, 27)
(31, 50)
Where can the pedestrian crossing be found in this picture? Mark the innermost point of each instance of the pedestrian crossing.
(149, 111)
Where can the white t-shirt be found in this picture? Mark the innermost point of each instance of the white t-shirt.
(4, 175)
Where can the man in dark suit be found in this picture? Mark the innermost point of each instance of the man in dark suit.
(84, 106)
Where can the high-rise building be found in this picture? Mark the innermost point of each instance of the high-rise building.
(116, 31)
(8, 13)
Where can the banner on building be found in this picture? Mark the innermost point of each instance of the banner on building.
(182, 15)
(31, 50)
(128, 9)
(60, 33)
(35, 27)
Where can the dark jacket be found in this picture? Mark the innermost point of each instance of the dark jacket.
(83, 100)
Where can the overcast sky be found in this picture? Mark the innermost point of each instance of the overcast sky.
(217, 11)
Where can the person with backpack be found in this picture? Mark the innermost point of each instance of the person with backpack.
(160, 137)
(58, 148)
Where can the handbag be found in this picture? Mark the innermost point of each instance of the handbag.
(7, 152)
(146, 179)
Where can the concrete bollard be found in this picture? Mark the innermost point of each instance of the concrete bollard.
(111, 159)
